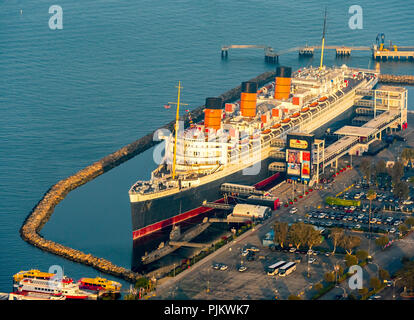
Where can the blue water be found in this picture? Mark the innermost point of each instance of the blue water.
(69, 97)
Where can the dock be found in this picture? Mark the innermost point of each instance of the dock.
(272, 56)
(175, 243)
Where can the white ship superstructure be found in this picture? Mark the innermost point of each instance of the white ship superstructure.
(53, 288)
(239, 135)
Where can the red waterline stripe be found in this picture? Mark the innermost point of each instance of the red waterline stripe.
(189, 214)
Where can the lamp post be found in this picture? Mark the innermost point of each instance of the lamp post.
(393, 290)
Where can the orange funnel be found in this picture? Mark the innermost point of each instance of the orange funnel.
(248, 99)
(212, 113)
(282, 83)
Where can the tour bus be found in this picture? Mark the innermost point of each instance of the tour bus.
(287, 269)
(274, 268)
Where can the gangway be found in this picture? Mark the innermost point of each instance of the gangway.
(215, 205)
(277, 167)
(240, 189)
(277, 154)
(270, 54)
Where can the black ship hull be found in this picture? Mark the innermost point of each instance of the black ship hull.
(157, 214)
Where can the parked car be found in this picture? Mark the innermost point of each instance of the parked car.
(242, 268)
(253, 249)
(223, 267)
(216, 266)
(293, 210)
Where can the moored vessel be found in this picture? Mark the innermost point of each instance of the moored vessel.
(100, 284)
(234, 145)
(52, 288)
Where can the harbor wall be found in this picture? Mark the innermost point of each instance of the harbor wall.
(44, 209)
(396, 79)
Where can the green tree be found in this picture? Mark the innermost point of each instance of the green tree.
(349, 242)
(382, 241)
(336, 236)
(383, 274)
(142, 283)
(281, 230)
(380, 167)
(407, 275)
(293, 297)
(375, 283)
(350, 260)
(311, 236)
(363, 291)
(362, 255)
(409, 222)
(366, 168)
(318, 286)
(401, 190)
(329, 276)
(296, 234)
(407, 155)
(396, 172)
(403, 228)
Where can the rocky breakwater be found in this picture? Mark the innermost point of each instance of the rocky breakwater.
(396, 79)
(43, 210)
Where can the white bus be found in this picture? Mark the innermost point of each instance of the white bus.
(287, 269)
(274, 268)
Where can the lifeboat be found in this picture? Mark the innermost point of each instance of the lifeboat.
(322, 99)
(313, 104)
(286, 120)
(275, 126)
(304, 109)
(296, 114)
(266, 131)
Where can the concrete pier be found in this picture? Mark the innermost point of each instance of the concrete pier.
(396, 79)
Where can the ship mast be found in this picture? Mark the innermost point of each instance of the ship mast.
(323, 40)
(176, 126)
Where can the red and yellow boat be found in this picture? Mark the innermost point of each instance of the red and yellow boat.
(304, 109)
(313, 104)
(322, 99)
(296, 114)
(99, 284)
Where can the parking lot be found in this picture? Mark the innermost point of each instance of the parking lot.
(209, 282)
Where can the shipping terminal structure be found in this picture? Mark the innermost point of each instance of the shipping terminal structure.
(266, 136)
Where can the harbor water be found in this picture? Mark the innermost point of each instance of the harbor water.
(69, 97)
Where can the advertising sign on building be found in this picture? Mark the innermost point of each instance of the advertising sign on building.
(299, 156)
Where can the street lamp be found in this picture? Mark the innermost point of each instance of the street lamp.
(336, 268)
(393, 290)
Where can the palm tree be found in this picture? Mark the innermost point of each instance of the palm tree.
(371, 195)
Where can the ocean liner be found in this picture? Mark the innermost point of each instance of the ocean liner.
(234, 142)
